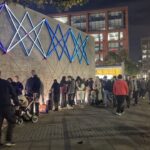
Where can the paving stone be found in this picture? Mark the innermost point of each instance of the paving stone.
(95, 128)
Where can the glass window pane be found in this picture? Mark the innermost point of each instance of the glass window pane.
(101, 57)
(121, 35)
(97, 37)
(116, 19)
(97, 21)
(113, 36)
(144, 51)
(113, 46)
(96, 57)
(79, 22)
(144, 56)
(98, 46)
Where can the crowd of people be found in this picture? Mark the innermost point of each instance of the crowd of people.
(109, 92)
(70, 91)
(10, 92)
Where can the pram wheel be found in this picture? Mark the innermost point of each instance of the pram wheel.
(20, 121)
(34, 119)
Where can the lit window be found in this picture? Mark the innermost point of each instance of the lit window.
(113, 36)
(144, 46)
(101, 57)
(115, 13)
(97, 37)
(97, 22)
(97, 57)
(121, 44)
(79, 22)
(144, 51)
(121, 35)
(98, 46)
(144, 56)
(113, 46)
(116, 20)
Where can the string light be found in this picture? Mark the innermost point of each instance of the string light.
(55, 42)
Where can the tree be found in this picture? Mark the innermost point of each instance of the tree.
(116, 58)
(59, 4)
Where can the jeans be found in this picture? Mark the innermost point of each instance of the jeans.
(135, 96)
(106, 98)
(71, 99)
(7, 113)
(128, 101)
(120, 103)
(114, 101)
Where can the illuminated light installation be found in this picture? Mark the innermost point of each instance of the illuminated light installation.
(79, 42)
(3, 48)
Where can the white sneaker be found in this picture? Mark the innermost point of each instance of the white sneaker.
(10, 144)
(119, 114)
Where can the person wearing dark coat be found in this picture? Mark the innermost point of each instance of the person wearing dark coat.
(56, 93)
(33, 89)
(7, 111)
(19, 86)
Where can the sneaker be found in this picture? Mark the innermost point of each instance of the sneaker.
(119, 114)
(10, 144)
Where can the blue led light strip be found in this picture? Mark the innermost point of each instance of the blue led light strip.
(53, 36)
(56, 42)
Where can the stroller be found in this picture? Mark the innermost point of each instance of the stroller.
(24, 113)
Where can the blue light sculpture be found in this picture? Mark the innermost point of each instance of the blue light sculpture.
(79, 43)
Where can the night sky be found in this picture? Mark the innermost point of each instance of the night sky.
(139, 19)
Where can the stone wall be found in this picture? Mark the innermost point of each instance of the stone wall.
(17, 63)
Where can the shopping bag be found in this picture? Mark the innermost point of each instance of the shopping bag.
(43, 108)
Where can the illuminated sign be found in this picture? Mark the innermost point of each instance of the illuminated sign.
(109, 71)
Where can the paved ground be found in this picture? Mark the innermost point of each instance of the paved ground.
(88, 128)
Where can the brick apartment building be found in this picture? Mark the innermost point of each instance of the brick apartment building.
(109, 27)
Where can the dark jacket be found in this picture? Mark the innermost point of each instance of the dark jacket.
(33, 85)
(109, 86)
(19, 88)
(7, 93)
(56, 88)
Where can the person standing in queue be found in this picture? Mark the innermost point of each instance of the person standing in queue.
(7, 110)
(55, 93)
(33, 89)
(120, 90)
